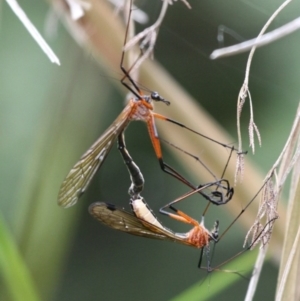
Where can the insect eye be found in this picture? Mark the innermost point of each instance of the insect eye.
(215, 231)
(155, 96)
(215, 235)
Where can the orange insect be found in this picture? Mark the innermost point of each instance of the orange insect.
(139, 108)
(143, 222)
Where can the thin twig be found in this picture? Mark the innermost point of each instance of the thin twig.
(265, 39)
(294, 133)
(244, 91)
(271, 194)
(256, 273)
(148, 36)
(288, 267)
(33, 31)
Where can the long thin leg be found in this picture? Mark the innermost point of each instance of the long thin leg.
(137, 185)
(244, 209)
(241, 252)
(186, 195)
(216, 197)
(136, 177)
(258, 236)
(135, 90)
(162, 117)
(181, 216)
(142, 207)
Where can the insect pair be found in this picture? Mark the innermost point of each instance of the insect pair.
(143, 222)
(140, 107)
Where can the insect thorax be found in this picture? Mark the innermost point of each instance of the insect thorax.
(141, 109)
(198, 237)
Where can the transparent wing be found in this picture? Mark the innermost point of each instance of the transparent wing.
(83, 171)
(121, 220)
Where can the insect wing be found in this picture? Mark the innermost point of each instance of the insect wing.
(83, 171)
(121, 220)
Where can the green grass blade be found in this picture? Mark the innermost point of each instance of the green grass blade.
(13, 270)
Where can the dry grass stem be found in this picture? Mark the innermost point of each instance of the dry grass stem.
(292, 258)
(137, 14)
(240, 168)
(261, 230)
(290, 153)
(265, 39)
(244, 91)
(271, 193)
(263, 226)
(256, 274)
(147, 37)
(252, 126)
(289, 277)
(33, 31)
(78, 8)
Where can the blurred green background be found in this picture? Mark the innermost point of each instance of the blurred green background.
(50, 115)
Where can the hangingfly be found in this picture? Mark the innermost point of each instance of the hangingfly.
(83, 171)
(143, 222)
(139, 108)
(150, 227)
